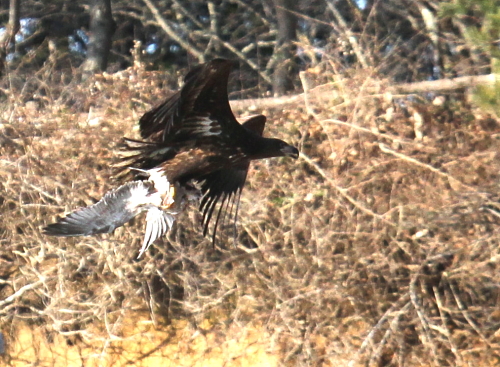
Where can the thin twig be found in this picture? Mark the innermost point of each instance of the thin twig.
(342, 191)
(378, 326)
(349, 35)
(422, 317)
(163, 23)
(464, 312)
(20, 292)
(384, 148)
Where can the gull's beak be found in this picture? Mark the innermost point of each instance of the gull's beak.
(290, 151)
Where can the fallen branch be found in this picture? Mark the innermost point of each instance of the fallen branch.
(319, 92)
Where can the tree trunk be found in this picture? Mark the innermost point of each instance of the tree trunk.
(284, 52)
(102, 27)
(9, 36)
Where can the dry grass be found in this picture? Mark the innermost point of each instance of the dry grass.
(380, 246)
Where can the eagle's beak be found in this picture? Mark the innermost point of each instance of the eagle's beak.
(290, 151)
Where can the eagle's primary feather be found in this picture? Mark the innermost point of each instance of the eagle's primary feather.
(190, 140)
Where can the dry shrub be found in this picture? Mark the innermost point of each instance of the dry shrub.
(378, 246)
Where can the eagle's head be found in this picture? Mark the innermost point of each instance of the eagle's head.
(288, 150)
(268, 148)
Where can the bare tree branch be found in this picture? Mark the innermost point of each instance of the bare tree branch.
(325, 91)
(164, 24)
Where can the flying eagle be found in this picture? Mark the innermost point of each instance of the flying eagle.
(193, 148)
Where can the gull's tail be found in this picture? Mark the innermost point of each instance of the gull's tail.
(158, 223)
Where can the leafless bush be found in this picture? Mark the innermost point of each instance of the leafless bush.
(379, 246)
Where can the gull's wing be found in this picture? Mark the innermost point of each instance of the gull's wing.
(158, 223)
(115, 209)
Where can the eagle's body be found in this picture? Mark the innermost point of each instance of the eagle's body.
(191, 140)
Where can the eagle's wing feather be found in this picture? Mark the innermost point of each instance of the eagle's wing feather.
(202, 101)
(198, 115)
(158, 121)
(115, 209)
(223, 188)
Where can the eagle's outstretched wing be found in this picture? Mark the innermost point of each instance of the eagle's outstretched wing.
(223, 187)
(193, 121)
(200, 108)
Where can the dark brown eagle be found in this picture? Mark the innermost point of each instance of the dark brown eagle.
(193, 147)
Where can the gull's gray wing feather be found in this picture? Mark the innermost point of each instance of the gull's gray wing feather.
(158, 223)
(115, 209)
